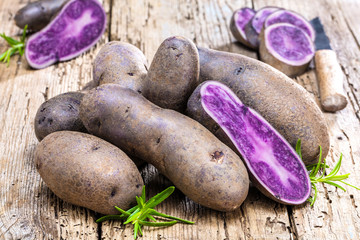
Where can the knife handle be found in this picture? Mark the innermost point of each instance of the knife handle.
(330, 80)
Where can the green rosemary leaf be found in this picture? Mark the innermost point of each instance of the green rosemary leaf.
(336, 168)
(143, 195)
(158, 198)
(316, 169)
(298, 148)
(350, 185)
(109, 217)
(154, 212)
(136, 229)
(122, 211)
(15, 46)
(157, 224)
(335, 184)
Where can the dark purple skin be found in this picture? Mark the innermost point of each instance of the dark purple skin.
(38, 14)
(59, 113)
(253, 28)
(271, 161)
(286, 16)
(77, 27)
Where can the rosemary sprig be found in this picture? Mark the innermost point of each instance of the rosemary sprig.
(15, 46)
(330, 178)
(143, 213)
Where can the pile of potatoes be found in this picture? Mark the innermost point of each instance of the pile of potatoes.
(90, 140)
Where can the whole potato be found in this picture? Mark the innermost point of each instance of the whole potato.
(197, 163)
(287, 106)
(121, 63)
(59, 113)
(87, 171)
(38, 14)
(173, 74)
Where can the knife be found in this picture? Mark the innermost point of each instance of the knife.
(328, 72)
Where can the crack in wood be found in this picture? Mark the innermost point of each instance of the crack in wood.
(352, 33)
(353, 94)
(351, 151)
(225, 227)
(292, 226)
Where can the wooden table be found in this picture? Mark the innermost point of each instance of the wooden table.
(29, 210)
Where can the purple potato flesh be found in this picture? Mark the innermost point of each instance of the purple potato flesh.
(286, 16)
(240, 18)
(260, 17)
(270, 159)
(289, 44)
(77, 27)
(253, 28)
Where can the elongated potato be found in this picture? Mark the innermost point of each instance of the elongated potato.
(173, 74)
(87, 171)
(121, 63)
(202, 167)
(287, 106)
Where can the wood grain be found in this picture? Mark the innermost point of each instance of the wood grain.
(29, 210)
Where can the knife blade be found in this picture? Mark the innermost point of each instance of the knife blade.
(328, 71)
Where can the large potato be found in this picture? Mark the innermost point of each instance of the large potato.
(287, 106)
(87, 171)
(59, 113)
(173, 74)
(121, 63)
(201, 166)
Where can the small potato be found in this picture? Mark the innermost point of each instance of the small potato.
(173, 74)
(121, 63)
(59, 113)
(198, 164)
(87, 171)
(38, 14)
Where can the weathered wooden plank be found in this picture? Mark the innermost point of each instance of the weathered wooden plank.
(28, 209)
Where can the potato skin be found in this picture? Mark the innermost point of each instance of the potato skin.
(38, 14)
(287, 106)
(121, 63)
(87, 171)
(173, 74)
(59, 113)
(202, 167)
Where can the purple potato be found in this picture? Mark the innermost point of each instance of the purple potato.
(173, 73)
(286, 16)
(287, 48)
(238, 22)
(59, 113)
(87, 171)
(38, 14)
(121, 63)
(77, 27)
(198, 164)
(286, 105)
(273, 165)
(254, 26)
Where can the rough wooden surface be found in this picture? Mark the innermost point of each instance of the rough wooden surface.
(29, 210)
